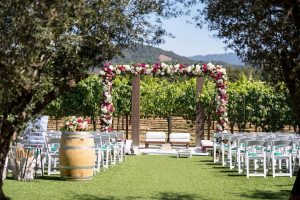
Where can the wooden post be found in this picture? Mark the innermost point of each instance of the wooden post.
(135, 111)
(127, 124)
(199, 113)
(169, 119)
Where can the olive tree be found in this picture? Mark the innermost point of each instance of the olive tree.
(265, 34)
(49, 46)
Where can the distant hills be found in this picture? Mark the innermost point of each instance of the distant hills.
(224, 58)
(149, 54)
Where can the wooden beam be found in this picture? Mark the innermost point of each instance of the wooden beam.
(199, 113)
(135, 111)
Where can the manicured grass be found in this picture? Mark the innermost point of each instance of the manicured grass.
(156, 177)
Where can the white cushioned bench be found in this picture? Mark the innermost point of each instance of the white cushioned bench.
(206, 145)
(180, 138)
(154, 137)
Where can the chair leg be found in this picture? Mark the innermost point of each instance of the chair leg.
(247, 166)
(223, 155)
(49, 165)
(273, 166)
(265, 166)
(215, 153)
(290, 166)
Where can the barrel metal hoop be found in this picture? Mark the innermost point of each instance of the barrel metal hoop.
(77, 177)
(78, 147)
(77, 135)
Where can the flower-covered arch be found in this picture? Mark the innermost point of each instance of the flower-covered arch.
(218, 73)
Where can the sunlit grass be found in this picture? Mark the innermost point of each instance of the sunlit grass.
(156, 177)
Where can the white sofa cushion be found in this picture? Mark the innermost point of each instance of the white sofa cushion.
(179, 140)
(155, 135)
(206, 143)
(180, 136)
(155, 140)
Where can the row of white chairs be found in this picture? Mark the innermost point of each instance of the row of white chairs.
(45, 145)
(109, 148)
(256, 153)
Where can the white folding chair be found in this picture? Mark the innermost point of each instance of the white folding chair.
(52, 152)
(255, 151)
(281, 151)
(105, 149)
(36, 142)
(216, 146)
(117, 144)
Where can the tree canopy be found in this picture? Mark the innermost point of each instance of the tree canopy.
(265, 34)
(49, 46)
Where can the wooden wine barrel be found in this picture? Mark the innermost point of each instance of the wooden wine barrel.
(77, 156)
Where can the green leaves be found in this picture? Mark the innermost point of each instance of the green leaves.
(258, 103)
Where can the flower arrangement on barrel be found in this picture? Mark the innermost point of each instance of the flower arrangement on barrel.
(76, 124)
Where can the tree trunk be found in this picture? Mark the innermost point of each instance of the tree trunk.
(291, 73)
(6, 133)
(239, 127)
(56, 123)
(169, 119)
(213, 124)
(94, 122)
(118, 122)
(122, 123)
(231, 127)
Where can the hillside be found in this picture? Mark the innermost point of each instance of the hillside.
(224, 59)
(149, 54)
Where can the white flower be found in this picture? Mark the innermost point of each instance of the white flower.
(168, 70)
(104, 109)
(127, 67)
(197, 68)
(118, 71)
(148, 71)
(111, 67)
(139, 69)
(223, 70)
(164, 66)
(177, 66)
(219, 127)
(220, 81)
(210, 67)
(108, 98)
(102, 72)
(189, 69)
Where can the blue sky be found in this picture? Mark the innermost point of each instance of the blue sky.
(189, 40)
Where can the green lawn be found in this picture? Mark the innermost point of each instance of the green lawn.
(156, 177)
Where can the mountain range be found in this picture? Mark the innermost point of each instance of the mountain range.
(228, 58)
(149, 54)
